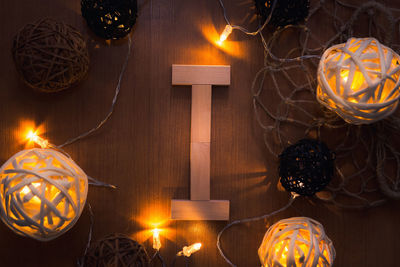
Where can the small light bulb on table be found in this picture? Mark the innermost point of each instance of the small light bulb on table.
(187, 251)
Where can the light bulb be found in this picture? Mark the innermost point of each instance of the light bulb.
(227, 31)
(156, 239)
(189, 250)
(32, 136)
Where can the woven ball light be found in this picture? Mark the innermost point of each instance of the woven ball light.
(50, 56)
(286, 12)
(359, 80)
(110, 19)
(296, 242)
(42, 193)
(117, 250)
(306, 167)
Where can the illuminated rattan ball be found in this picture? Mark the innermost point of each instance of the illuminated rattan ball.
(50, 56)
(296, 242)
(286, 12)
(42, 193)
(306, 167)
(359, 80)
(117, 250)
(110, 19)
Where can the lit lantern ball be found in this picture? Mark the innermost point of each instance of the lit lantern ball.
(296, 242)
(117, 250)
(306, 167)
(110, 19)
(50, 56)
(359, 80)
(42, 193)
(286, 12)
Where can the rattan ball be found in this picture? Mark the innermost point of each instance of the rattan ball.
(296, 242)
(306, 167)
(359, 80)
(286, 12)
(42, 193)
(110, 19)
(117, 250)
(50, 56)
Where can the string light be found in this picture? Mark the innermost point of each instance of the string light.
(187, 251)
(33, 137)
(156, 239)
(227, 31)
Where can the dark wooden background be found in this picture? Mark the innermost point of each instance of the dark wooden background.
(144, 148)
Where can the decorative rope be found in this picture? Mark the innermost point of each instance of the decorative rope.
(359, 80)
(42, 193)
(297, 241)
(297, 108)
(258, 218)
(50, 56)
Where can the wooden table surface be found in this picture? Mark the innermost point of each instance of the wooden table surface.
(144, 148)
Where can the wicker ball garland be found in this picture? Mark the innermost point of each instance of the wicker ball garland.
(110, 19)
(306, 167)
(286, 12)
(50, 56)
(359, 80)
(42, 193)
(296, 242)
(117, 250)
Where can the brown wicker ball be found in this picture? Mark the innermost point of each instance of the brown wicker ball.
(50, 56)
(117, 250)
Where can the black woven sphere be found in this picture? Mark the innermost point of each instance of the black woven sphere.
(110, 19)
(286, 12)
(306, 167)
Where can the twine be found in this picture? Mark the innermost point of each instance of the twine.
(50, 56)
(42, 193)
(298, 109)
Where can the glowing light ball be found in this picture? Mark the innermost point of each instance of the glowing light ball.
(296, 242)
(110, 19)
(42, 193)
(359, 80)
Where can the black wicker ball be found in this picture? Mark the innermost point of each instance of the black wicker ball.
(110, 19)
(286, 12)
(306, 167)
(116, 250)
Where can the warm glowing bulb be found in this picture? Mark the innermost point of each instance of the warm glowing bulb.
(227, 31)
(189, 250)
(32, 136)
(156, 239)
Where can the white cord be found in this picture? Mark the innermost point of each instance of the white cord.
(292, 198)
(114, 101)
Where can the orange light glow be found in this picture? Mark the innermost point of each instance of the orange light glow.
(33, 137)
(187, 251)
(225, 34)
(156, 239)
(232, 48)
(27, 128)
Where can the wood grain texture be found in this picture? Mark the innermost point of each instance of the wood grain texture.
(200, 125)
(144, 148)
(200, 171)
(192, 210)
(200, 74)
